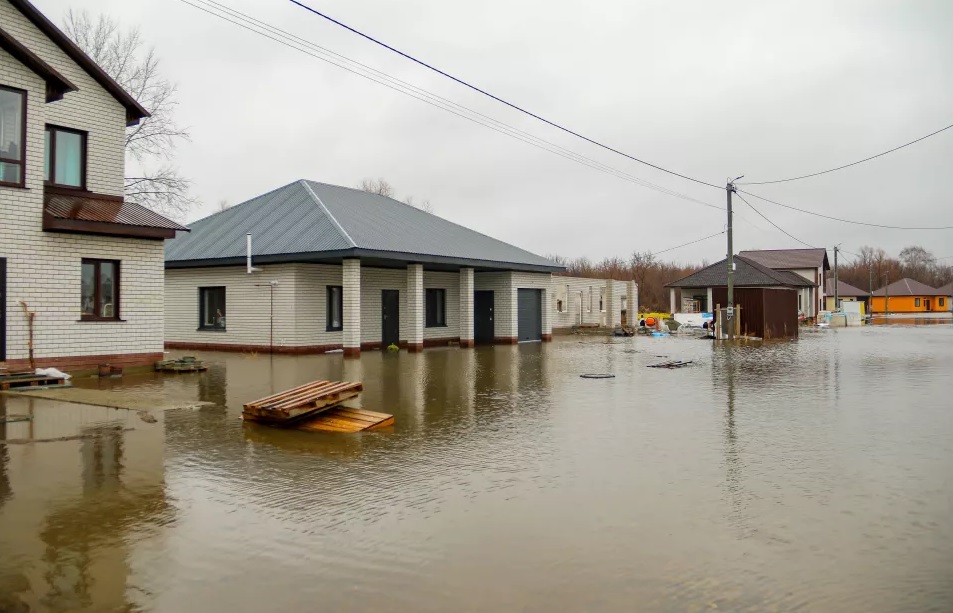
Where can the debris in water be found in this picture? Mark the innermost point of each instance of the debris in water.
(597, 376)
(670, 364)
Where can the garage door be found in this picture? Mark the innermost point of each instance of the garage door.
(530, 314)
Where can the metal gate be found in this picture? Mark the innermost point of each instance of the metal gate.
(530, 314)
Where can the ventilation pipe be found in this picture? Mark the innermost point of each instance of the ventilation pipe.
(248, 265)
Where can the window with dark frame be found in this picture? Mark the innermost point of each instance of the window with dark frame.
(335, 308)
(942, 302)
(64, 161)
(436, 307)
(99, 288)
(12, 136)
(211, 308)
(916, 302)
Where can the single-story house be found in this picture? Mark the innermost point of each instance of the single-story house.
(86, 262)
(947, 291)
(333, 267)
(768, 298)
(845, 292)
(909, 296)
(811, 264)
(579, 301)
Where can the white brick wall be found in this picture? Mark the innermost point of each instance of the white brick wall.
(43, 268)
(352, 281)
(504, 301)
(413, 324)
(465, 304)
(578, 290)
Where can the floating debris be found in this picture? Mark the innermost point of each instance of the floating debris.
(597, 376)
(186, 364)
(671, 364)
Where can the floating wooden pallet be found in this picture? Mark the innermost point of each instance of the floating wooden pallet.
(14, 381)
(180, 366)
(344, 419)
(302, 401)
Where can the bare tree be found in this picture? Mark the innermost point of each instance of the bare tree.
(151, 143)
(223, 205)
(378, 186)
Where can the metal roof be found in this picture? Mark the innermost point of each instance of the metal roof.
(908, 287)
(843, 289)
(311, 221)
(748, 273)
(946, 290)
(85, 208)
(789, 258)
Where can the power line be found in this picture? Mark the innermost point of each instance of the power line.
(316, 51)
(497, 98)
(860, 223)
(772, 223)
(852, 163)
(689, 243)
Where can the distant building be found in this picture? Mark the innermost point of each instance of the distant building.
(909, 296)
(580, 301)
(845, 292)
(810, 264)
(947, 291)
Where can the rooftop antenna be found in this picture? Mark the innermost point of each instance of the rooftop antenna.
(248, 265)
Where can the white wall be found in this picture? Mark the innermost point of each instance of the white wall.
(578, 290)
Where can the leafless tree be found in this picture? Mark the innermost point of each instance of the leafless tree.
(151, 143)
(378, 186)
(223, 205)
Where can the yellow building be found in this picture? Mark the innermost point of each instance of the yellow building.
(845, 293)
(909, 296)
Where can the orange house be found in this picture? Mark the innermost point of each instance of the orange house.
(909, 296)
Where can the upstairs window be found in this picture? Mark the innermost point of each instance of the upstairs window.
(211, 308)
(64, 162)
(436, 308)
(100, 290)
(12, 135)
(335, 308)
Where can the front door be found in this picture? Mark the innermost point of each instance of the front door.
(926, 304)
(483, 328)
(390, 317)
(3, 309)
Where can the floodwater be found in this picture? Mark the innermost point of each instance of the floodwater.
(814, 475)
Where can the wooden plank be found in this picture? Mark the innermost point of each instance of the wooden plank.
(274, 397)
(387, 423)
(369, 414)
(305, 397)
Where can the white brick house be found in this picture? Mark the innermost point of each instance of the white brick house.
(338, 268)
(581, 301)
(86, 263)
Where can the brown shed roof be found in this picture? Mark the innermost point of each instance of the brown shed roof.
(96, 214)
(908, 287)
(789, 258)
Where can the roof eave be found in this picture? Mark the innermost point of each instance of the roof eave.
(56, 84)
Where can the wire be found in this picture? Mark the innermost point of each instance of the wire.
(852, 163)
(282, 37)
(689, 243)
(497, 98)
(772, 223)
(860, 223)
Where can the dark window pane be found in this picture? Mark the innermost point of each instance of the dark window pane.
(88, 291)
(435, 307)
(11, 125)
(335, 304)
(47, 154)
(212, 307)
(107, 289)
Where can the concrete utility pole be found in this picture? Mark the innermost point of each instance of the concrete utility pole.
(836, 296)
(886, 293)
(731, 264)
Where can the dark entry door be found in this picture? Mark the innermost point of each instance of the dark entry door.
(3, 309)
(529, 314)
(926, 304)
(483, 330)
(390, 317)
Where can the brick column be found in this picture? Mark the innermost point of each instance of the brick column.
(351, 284)
(631, 304)
(415, 307)
(466, 307)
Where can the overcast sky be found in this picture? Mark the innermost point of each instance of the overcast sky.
(708, 89)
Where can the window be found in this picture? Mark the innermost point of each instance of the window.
(589, 300)
(12, 135)
(916, 302)
(942, 302)
(64, 161)
(602, 300)
(335, 308)
(562, 293)
(211, 308)
(100, 290)
(436, 308)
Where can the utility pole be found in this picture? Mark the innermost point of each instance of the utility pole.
(836, 295)
(886, 293)
(731, 266)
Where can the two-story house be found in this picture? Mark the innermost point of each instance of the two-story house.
(810, 264)
(86, 263)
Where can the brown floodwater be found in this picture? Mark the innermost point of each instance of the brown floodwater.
(814, 475)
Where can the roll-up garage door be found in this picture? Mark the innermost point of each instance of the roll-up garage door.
(530, 314)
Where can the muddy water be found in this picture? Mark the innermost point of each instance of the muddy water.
(807, 476)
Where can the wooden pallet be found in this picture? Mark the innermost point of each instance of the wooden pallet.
(300, 402)
(344, 419)
(15, 381)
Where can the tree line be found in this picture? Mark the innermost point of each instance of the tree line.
(872, 267)
(647, 270)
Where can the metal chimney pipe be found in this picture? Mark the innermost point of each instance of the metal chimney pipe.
(248, 252)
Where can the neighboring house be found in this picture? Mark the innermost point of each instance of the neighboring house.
(88, 264)
(810, 264)
(768, 298)
(909, 296)
(947, 291)
(579, 301)
(340, 268)
(845, 292)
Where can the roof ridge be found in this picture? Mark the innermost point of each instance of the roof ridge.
(327, 212)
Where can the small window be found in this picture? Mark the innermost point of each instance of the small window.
(12, 136)
(916, 302)
(100, 290)
(942, 302)
(335, 308)
(212, 308)
(436, 308)
(589, 300)
(64, 162)
(602, 300)
(562, 293)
